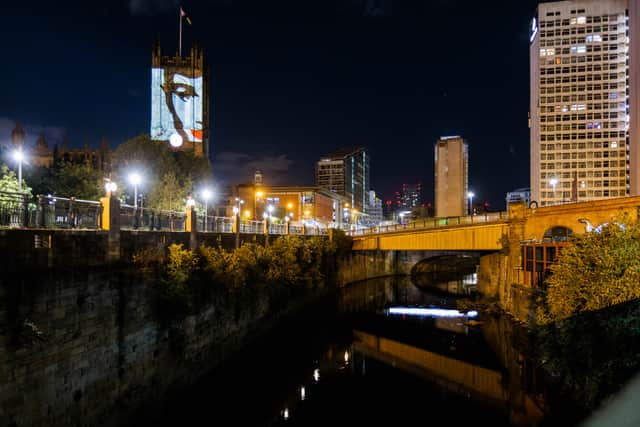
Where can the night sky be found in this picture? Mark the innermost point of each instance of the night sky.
(291, 81)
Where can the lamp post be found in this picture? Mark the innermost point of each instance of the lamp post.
(110, 187)
(135, 179)
(236, 211)
(206, 195)
(18, 156)
(553, 182)
(470, 196)
(257, 197)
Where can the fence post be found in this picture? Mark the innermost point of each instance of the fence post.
(191, 226)
(42, 214)
(25, 210)
(110, 222)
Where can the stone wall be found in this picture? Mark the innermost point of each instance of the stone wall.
(81, 342)
(362, 265)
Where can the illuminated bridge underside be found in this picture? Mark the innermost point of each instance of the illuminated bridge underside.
(482, 237)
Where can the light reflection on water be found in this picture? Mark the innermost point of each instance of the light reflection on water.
(425, 338)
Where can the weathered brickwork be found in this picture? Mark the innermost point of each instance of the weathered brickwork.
(80, 341)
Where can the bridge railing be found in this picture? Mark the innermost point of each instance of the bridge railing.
(428, 223)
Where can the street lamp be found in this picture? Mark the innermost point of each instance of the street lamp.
(110, 187)
(18, 156)
(236, 211)
(135, 179)
(257, 197)
(553, 182)
(470, 196)
(206, 196)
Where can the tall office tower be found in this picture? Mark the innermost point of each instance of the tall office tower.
(585, 94)
(451, 176)
(346, 172)
(180, 100)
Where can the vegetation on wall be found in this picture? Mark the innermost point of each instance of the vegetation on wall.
(288, 266)
(600, 269)
(591, 305)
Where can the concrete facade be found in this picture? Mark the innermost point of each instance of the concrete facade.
(584, 108)
(451, 176)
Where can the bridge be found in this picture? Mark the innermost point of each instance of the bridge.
(515, 248)
(494, 231)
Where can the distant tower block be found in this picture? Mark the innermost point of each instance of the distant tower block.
(451, 180)
(180, 100)
(257, 178)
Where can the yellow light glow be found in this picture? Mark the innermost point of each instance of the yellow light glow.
(346, 356)
(306, 213)
(259, 194)
(290, 205)
(247, 214)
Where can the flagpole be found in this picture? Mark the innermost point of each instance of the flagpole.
(180, 36)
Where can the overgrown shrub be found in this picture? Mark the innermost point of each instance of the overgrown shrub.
(187, 279)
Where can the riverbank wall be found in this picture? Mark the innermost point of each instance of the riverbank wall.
(81, 339)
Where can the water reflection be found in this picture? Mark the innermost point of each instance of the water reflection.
(354, 360)
(451, 274)
(460, 353)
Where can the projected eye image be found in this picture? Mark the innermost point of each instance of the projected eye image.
(176, 105)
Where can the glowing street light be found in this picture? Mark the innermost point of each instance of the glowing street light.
(236, 211)
(470, 196)
(110, 187)
(257, 197)
(135, 179)
(206, 194)
(18, 156)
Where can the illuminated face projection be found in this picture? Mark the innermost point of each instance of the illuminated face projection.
(176, 106)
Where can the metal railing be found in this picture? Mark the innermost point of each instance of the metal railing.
(132, 218)
(429, 223)
(14, 209)
(62, 212)
(18, 210)
(21, 210)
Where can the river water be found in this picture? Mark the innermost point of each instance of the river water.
(380, 352)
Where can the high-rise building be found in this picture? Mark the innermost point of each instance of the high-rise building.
(451, 176)
(346, 172)
(584, 105)
(180, 100)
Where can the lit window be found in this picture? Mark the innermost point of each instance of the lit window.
(614, 144)
(581, 20)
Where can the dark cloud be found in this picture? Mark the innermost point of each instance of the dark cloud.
(233, 167)
(151, 7)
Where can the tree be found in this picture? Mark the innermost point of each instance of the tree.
(170, 194)
(168, 175)
(66, 179)
(599, 270)
(9, 181)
